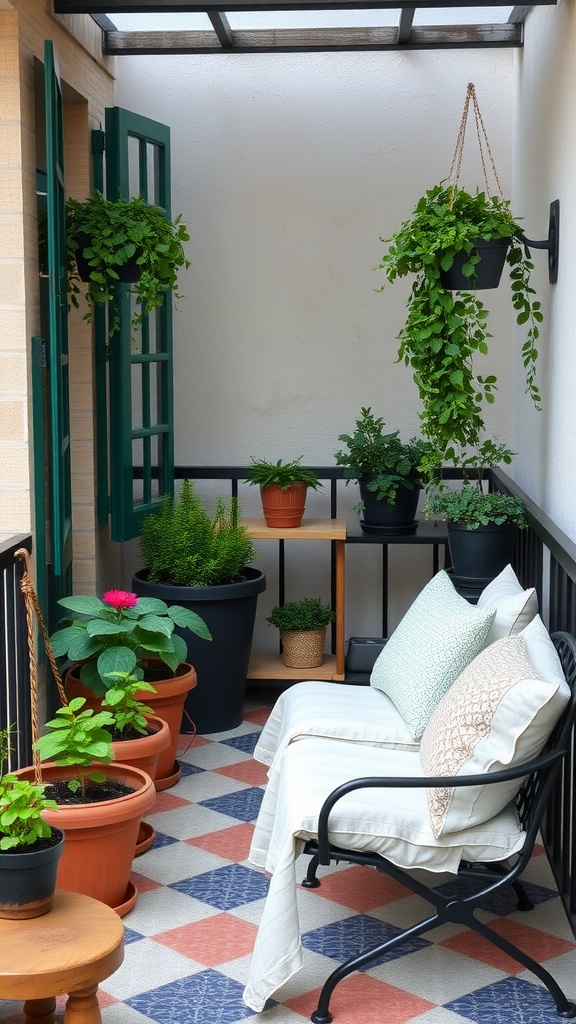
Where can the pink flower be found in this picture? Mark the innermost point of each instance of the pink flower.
(120, 599)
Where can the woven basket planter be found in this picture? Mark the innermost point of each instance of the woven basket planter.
(303, 648)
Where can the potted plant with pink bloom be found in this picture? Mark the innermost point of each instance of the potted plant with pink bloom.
(123, 635)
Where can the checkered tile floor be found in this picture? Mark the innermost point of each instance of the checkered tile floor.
(190, 935)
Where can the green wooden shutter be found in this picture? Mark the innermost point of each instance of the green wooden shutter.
(55, 329)
(140, 366)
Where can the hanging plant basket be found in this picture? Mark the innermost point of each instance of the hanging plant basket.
(491, 253)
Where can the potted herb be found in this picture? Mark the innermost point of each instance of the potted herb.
(99, 803)
(30, 848)
(201, 561)
(481, 530)
(388, 474)
(283, 487)
(109, 243)
(445, 330)
(302, 626)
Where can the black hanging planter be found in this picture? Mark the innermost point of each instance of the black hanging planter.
(229, 610)
(487, 272)
(382, 518)
(480, 554)
(128, 273)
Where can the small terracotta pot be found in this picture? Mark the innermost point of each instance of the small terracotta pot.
(283, 508)
(303, 648)
(101, 836)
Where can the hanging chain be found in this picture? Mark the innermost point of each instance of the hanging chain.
(483, 145)
(32, 607)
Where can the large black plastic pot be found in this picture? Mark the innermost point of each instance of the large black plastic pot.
(380, 517)
(487, 272)
(229, 610)
(480, 554)
(128, 273)
(28, 879)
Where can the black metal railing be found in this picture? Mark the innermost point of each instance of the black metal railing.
(14, 659)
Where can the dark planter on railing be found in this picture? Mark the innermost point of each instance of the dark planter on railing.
(128, 273)
(487, 272)
(229, 611)
(482, 553)
(381, 518)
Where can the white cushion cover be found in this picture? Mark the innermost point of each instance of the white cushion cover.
(438, 636)
(543, 655)
(498, 713)
(392, 822)
(315, 708)
(515, 607)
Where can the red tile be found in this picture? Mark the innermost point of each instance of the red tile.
(105, 999)
(361, 997)
(142, 883)
(232, 843)
(540, 945)
(252, 772)
(213, 941)
(166, 801)
(259, 717)
(187, 740)
(361, 889)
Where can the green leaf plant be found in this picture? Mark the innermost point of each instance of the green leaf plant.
(129, 712)
(308, 613)
(21, 806)
(114, 636)
(444, 331)
(112, 233)
(282, 473)
(78, 736)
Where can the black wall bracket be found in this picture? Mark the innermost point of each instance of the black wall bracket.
(551, 243)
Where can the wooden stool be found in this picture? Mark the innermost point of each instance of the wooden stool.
(69, 950)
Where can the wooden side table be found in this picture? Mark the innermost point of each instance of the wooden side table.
(67, 951)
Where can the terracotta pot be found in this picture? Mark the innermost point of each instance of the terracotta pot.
(28, 879)
(143, 752)
(167, 702)
(100, 837)
(303, 648)
(283, 508)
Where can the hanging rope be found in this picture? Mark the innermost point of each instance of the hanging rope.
(483, 145)
(32, 607)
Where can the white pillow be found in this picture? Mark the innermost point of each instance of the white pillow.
(543, 655)
(515, 607)
(438, 636)
(498, 713)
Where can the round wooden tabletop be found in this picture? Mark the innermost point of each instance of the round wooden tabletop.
(77, 944)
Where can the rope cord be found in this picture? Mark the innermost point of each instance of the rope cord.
(483, 145)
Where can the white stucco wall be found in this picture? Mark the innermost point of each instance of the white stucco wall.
(287, 169)
(544, 158)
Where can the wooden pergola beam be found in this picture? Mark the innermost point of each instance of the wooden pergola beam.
(179, 6)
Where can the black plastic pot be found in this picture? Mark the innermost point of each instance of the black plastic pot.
(28, 879)
(229, 610)
(380, 517)
(480, 554)
(128, 273)
(487, 272)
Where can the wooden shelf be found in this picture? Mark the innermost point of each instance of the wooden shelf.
(311, 529)
(271, 666)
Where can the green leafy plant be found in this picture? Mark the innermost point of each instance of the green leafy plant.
(445, 330)
(282, 473)
(472, 507)
(109, 235)
(78, 737)
(21, 806)
(370, 450)
(127, 710)
(309, 613)
(185, 546)
(118, 633)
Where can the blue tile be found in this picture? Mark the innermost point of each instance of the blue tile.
(510, 1001)
(501, 903)
(131, 936)
(352, 936)
(225, 888)
(243, 805)
(245, 743)
(204, 998)
(160, 839)
(189, 769)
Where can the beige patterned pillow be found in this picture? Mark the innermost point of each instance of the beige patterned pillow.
(498, 713)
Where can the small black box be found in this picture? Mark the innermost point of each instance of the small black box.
(362, 652)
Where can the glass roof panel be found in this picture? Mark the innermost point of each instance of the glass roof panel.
(160, 22)
(462, 15)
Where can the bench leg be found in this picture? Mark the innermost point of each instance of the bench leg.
(40, 1009)
(82, 1007)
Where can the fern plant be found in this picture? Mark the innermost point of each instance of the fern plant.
(395, 463)
(185, 546)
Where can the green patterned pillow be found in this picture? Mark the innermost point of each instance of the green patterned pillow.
(437, 638)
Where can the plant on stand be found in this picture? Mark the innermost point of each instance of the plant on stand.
(388, 473)
(302, 626)
(283, 488)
